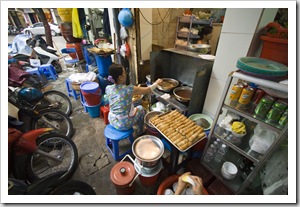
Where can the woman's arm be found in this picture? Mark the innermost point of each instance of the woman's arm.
(145, 90)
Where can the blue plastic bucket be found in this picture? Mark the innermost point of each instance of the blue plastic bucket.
(94, 111)
(103, 63)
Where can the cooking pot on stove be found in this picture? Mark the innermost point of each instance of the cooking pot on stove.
(168, 84)
(183, 93)
(148, 150)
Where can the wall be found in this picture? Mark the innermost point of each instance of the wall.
(235, 40)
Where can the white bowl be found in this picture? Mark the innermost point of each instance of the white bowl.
(229, 170)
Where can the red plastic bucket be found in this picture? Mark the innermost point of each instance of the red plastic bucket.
(91, 93)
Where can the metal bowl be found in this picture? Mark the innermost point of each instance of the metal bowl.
(147, 118)
(200, 48)
(168, 84)
(183, 93)
(147, 141)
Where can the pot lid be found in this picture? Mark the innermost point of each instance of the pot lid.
(122, 173)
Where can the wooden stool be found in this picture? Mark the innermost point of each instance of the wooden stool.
(113, 136)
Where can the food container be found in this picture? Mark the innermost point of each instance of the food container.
(183, 93)
(122, 175)
(229, 170)
(148, 116)
(200, 48)
(137, 99)
(168, 84)
(148, 150)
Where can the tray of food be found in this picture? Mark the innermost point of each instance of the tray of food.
(180, 131)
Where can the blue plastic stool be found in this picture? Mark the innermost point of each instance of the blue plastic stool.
(49, 71)
(113, 136)
(70, 90)
(34, 71)
(83, 102)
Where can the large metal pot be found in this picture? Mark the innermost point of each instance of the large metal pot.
(183, 93)
(168, 84)
(148, 150)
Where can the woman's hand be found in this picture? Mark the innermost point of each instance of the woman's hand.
(181, 184)
(158, 81)
(198, 188)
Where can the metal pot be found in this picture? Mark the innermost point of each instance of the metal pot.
(144, 143)
(168, 84)
(183, 93)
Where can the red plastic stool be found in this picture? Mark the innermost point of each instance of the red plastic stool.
(104, 110)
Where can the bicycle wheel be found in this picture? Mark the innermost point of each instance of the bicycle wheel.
(40, 164)
(53, 118)
(59, 100)
(73, 187)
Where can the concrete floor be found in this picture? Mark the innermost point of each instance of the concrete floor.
(95, 161)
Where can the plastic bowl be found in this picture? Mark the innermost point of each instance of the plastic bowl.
(229, 170)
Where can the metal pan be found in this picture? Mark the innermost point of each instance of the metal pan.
(183, 93)
(168, 84)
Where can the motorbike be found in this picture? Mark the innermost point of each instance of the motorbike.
(38, 153)
(45, 53)
(38, 100)
(49, 185)
(37, 111)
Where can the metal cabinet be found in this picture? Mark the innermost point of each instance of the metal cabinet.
(188, 22)
(239, 153)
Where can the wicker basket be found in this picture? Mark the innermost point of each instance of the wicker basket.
(76, 86)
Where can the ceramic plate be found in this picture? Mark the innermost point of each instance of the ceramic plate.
(262, 66)
(195, 117)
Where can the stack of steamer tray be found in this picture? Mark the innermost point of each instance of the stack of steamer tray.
(182, 132)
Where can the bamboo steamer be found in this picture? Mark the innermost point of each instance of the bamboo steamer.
(65, 14)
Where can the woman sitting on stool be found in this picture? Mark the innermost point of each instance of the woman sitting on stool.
(123, 115)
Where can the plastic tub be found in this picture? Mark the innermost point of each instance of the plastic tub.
(103, 63)
(94, 111)
(91, 93)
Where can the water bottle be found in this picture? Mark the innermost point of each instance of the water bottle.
(219, 142)
(209, 153)
(216, 144)
(220, 153)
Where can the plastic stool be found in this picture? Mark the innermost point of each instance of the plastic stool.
(34, 71)
(49, 71)
(70, 90)
(113, 136)
(83, 102)
(104, 110)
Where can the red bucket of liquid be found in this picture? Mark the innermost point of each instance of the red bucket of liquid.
(148, 175)
(91, 93)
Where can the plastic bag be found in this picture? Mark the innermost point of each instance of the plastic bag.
(262, 139)
(123, 33)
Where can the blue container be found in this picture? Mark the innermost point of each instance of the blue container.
(103, 63)
(89, 87)
(94, 111)
(103, 82)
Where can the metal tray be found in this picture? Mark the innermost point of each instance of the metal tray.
(171, 141)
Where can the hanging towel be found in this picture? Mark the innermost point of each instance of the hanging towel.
(77, 31)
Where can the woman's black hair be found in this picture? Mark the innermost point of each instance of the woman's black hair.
(205, 31)
(115, 70)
